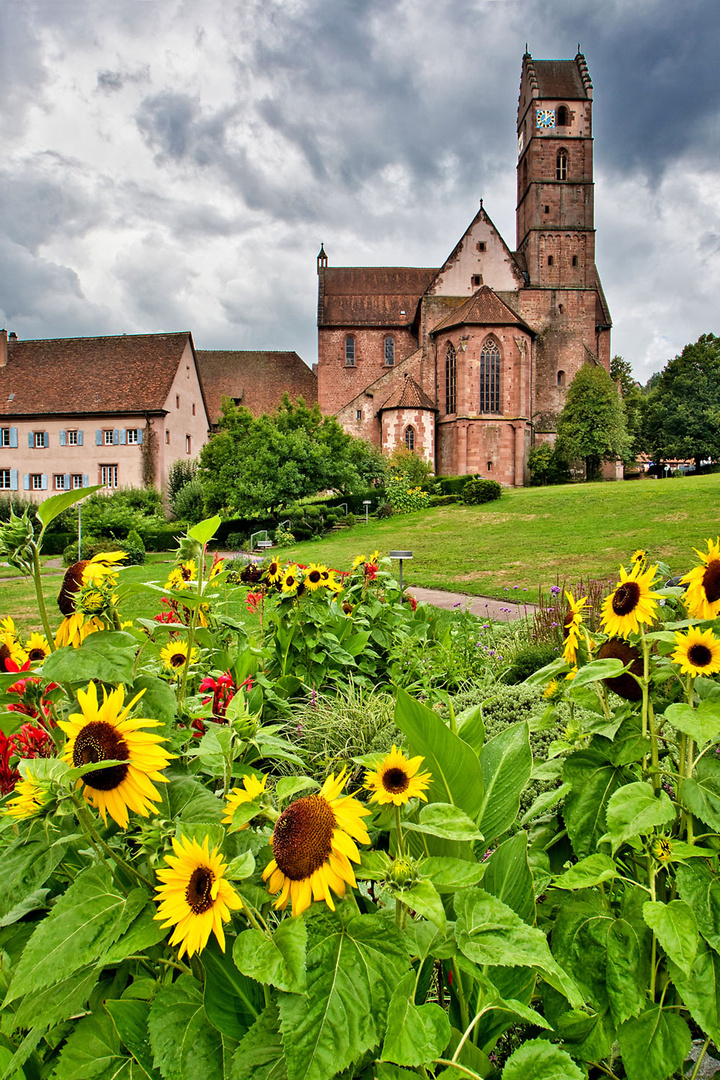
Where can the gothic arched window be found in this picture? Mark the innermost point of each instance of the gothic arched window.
(450, 378)
(561, 165)
(562, 118)
(349, 351)
(490, 377)
(410, 437)
(561, 378)
(389, 351)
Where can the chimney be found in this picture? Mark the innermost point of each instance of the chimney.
(3, 348)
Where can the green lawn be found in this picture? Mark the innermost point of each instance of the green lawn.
(535, 536)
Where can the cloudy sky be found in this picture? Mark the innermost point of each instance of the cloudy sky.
(171, 165)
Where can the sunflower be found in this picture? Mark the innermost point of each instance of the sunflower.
(314, 578)
(375, 556)
(290, 581)
(703, 584)
(274, 571)
(102, 566)
(359, 560)
(697, 652)
(632, 602)
(37, 647)
(625, 686)
(174, 655)
(107, 732)
(180, 576)
(396, 779)
(217, 568)
(28, 799)
(76, 627)
(313, 843)
(7, 626)
(639, 556)
(195, 898)
(571, 627)
(252, 787)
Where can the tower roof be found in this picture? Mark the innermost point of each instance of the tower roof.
(483, 308)
(409, 395)
(568, 80)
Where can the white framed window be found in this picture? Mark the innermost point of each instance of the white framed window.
(72, 438)
(39, 439)
(5, 436)
(109, 476)
(132, 436)
(5, 480)
(59, 481)
(107, 437)
(36, 483)
(77, 481)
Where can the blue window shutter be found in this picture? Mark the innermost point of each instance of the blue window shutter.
(44, 482)
(86, 481)
(116, 437)
(13, 437)
(26, 481)
(46, 438)
(79, 442)
(140, 434)
(31, 439)
(13, 479)
(98, 437)
(123, 436)
(68, 481)
(63, 438)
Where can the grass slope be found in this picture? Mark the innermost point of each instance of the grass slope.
(534, 536)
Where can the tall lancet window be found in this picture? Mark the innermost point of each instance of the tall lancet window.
(490, 377)
(450, 379)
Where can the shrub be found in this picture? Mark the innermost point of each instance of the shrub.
(453, 485)
(476, 492)
(546, 466)
(443, 500)
(332, 730)
(283, 536)
(188, 502)
(350, 521)
(385, 510)
(403, 497)
(180, 473)
(410, 464)
(527, 660)
(236, 541)
(134, 547)
(161, 538)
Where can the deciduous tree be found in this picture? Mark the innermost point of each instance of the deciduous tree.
(592, 424)
(682, 412)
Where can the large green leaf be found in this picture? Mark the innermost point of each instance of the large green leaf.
(700, 889)
(279, 960)
(130, 1018)
(489, 932)
(86, 920)
(232, 1001)
(701, 724)
(627, 950)
(700, 989)
(159, 701)
(50, 508)
(594, 780)
(446, 821)
(107, 655)
(416, 1034)
(185, 1046)
(675, 927)
(143, 932)
(506, 763)
(579, 942)
(449, 875)
(260, 1054)
(635, 810)
(654, 1045)
(205, 530)
(508, 877)
(588, 872)
(55, 1004)
(94, 1052)
(423, 897)
(701, 793)
(456, 773)
(26, 865)
(188, 799)
(539, 1059)
(353, 968)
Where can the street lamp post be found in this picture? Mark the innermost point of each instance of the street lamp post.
(367, 503)
(401, 555)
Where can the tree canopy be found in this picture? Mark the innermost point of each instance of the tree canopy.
(263, 463)
(592, 424)
(682, 412)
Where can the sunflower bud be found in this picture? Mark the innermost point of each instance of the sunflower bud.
(245, 726)
(662, 849)
(403, 872)
(16, 541)
(188, 549)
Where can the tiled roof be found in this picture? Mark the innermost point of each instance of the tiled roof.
(373, 295)
(409, 395)
(560, 79)
(483, 308)
(256, 379)
(130, 373)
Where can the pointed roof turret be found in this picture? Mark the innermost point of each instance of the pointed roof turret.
(410, 395)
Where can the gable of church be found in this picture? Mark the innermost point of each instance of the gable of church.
(480, 258)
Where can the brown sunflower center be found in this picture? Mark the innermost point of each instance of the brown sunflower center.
(199, 890)
(314, 576)
(289, 581)
(711, 581)
(177, 659)
(37, 654)
(699, 655)
(395, 780)
(625, 598)
(302, 839)
(100, 741)
(623, 685)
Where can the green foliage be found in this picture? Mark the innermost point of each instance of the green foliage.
(188, 502)
(476, 492)
(443, 500)
(411, 464)
(330, 729)
(528, 659)
(403, 496)
(255, 464)
(680, 418)
(592, 424)
(546, 466)
(181, 472)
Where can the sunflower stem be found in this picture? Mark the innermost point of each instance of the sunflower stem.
(464, 1014)
(87, 824)
(41, 599)
(653, 967)
(249, 914)
(460, 1068)
(701, 1055)
(398, 826)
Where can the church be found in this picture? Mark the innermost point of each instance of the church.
(468, 364)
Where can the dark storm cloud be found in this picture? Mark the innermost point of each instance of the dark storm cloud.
(42, 198)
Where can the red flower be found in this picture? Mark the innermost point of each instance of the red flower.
(32, 742)
(223, 691)
(413, 603)
(8, 775)
(371, 571)
(12, 665)
(253, 601)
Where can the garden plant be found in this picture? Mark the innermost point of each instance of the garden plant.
(198, 882)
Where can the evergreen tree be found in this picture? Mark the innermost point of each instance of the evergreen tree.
(682, 412)
(592, 425)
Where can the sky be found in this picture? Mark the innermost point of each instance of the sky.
(170, 165)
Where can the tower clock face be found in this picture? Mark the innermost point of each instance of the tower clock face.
(545, 118)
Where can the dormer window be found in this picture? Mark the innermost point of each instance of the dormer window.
(562, 117)
(561, 165)
(349, 351)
